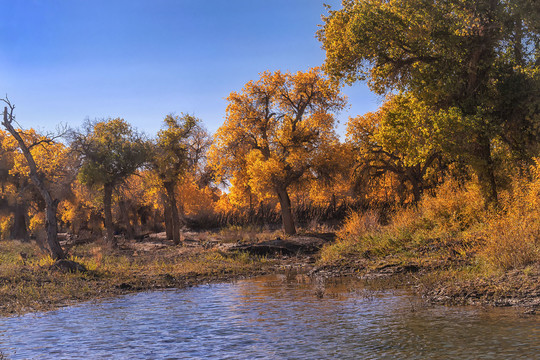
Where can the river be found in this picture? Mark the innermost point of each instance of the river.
(272, 317)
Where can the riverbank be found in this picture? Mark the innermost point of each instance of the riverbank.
(448, 281)
(443, 272)
(29, 281)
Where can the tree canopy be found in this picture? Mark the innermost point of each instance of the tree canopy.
(478, 58)
(404, 137)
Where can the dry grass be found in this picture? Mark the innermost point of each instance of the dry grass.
(246, 234)
(512, 241)
(362, 235)
(27, 283)
(512, 236)
(453, 223)
(454, 208)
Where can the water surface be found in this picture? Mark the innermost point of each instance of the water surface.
(270, 318)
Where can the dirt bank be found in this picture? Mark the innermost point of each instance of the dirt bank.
(28, 283)
(449, 282)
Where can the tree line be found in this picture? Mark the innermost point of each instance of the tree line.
(460, 81)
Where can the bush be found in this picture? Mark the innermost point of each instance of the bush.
(360, 235)
(513, 236)
(5, 226)
(512, 241)
(452, 220)
(359, 224)
(454, 208)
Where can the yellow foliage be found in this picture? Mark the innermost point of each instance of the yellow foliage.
(37, 222)
(44, 261)
(223, 205)
(454, 208)
(277, 128)
(5, 226)
(77, 209)
(358, 225)
(195, 200)
(51, 157)
(512, 240)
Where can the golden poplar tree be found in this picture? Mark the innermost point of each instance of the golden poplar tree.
(277, 130)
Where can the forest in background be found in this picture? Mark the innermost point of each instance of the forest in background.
(450, 157)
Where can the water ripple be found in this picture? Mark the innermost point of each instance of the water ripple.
(269, 318)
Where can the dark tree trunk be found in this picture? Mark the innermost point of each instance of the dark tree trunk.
(125, 219)
(167, 214)
(286, 211)
(19, 229)
(50, 204)
(175, 220)
(401, 191)
(485, 169)
(52, 229)
(417, 192)
(107, 210)
(416, 179)
(157, 221)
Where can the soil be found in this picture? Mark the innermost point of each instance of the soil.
(520, 287)
(438, 281)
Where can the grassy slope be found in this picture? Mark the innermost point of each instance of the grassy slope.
(462, 253)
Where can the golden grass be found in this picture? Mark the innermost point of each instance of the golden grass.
(512, 236)
(453, 222)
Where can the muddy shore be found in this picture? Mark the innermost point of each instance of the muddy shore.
(440, 283)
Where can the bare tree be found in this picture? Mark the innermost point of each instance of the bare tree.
(37, 178)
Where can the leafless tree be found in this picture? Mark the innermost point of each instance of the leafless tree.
(51, 204)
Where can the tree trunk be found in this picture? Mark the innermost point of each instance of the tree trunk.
(168, 217)
(175, 220)
(286, 212)
(19, 230)
(157, 221)
(52, 229)
(416, 179)
(107, 210)
(125, 219)
(50, 205)
(401, 191)
(485, 169)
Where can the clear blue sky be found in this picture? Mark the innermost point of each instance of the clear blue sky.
(62, 61)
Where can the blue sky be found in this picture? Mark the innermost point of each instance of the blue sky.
(62, 61)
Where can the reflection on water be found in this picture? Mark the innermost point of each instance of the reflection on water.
(270, 318)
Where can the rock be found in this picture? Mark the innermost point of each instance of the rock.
(271, 247)
(124, 286)
(290, 246)
(67, 266)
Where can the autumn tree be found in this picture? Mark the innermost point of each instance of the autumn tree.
(178, 148)
(276, 131)
(478, 58)
(401, 139)
(54, 162)
(38, 178)
(111, 150)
